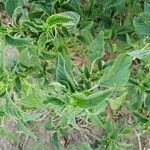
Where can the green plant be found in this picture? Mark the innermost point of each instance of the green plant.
(79, 63)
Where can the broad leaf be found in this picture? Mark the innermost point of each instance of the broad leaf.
(68, 19)
(11, 5)
(18, 42)
(33, 26)
(76, 5)
(142, 24)
(57, 19)
(73, 15)
(61, 19)
(118, 74)
(71, 26)
(28, 57)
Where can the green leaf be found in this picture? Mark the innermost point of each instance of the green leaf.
(42, 40)
(122, 7)
(46, 8)
(57, 19)
(142, 23)
(93, 100)
(18, 42)
(96, 121)
(117, 102)
(54, 101)
(31, 117)
(128, 39)
(29, 58)
(12, 109)
(48, 126)
(21, 127)
(118, 74)
(56, 142)
(68, 117)
(135, 99)
(139, 53)
(11, 5)
(10, 56)
(46, 55)
(111, 3)
(140, 119)
(76, 5)
(62, 74)
(72, 121)
(85, 37)
(68, 19)
(31, 101)
(96, 49)
(33, 26)
(72, 118)
(147, 102)
(146, 7)
(5, 133)
(3, 30)
(71, 26)
(1, 56)
(73, 15)
(85, 146)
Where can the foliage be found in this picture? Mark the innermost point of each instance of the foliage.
(77, 60)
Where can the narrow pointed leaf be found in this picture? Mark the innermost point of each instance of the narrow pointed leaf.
(93, 100)
(139, 53)
(96, 49)
(62, 74)
(26, 131)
